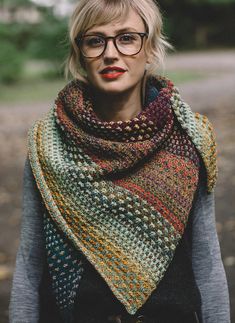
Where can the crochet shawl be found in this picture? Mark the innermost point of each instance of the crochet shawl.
(118, 193)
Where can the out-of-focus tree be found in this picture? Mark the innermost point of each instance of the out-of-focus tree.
(25, 38)
(49, 40)
(13, 39)
(11, 61)
(199, 23)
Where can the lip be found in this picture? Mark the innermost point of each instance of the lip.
(112, 68)
(111, 76)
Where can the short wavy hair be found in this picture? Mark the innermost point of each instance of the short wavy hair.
(99, 12)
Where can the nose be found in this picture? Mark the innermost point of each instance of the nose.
(111, 50)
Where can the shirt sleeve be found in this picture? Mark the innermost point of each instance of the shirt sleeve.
(206, 260)
(24, 301)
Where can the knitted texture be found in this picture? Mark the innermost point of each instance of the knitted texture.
(66, 267)
(120, 192)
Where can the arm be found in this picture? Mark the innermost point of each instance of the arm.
(207, 263)
(24, 302)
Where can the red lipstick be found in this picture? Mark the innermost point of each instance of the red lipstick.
(112, 72)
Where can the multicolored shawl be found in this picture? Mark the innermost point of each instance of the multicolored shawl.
(119, 193)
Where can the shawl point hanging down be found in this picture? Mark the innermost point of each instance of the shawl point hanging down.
(121, 192)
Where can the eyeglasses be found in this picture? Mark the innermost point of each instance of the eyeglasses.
(128, 44)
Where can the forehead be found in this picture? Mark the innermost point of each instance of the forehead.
(130, 22)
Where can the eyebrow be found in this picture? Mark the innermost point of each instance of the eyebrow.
(126, 29)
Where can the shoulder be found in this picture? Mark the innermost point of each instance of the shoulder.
(204, 140)
(29, 181)
(201, 132)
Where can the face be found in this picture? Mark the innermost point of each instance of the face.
(133, 66)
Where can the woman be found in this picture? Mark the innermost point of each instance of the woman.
(118, 222)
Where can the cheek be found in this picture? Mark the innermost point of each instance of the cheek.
(90, 67)
(138, 66)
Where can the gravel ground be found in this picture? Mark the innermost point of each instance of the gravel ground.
(213, 96)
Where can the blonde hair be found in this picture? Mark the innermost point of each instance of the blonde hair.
(99, 12)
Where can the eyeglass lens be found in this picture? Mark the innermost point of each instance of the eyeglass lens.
(127, 44)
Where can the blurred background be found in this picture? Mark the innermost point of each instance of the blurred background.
(33, 48)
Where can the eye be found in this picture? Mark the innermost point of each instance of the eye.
(127, 38)
(93, 41)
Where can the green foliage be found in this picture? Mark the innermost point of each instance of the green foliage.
(11, 61)
(48, 41)
(14, 42)
(45, 40)
(15, 3)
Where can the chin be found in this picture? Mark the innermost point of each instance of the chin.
(114, 87)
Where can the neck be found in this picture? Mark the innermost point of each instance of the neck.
(118, 107)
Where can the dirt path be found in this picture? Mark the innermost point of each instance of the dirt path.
(207, 93)
(213, 96)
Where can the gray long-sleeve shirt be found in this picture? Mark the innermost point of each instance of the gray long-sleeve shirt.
(206, 259)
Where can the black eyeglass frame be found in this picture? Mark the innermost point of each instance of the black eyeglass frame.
(78, 40)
